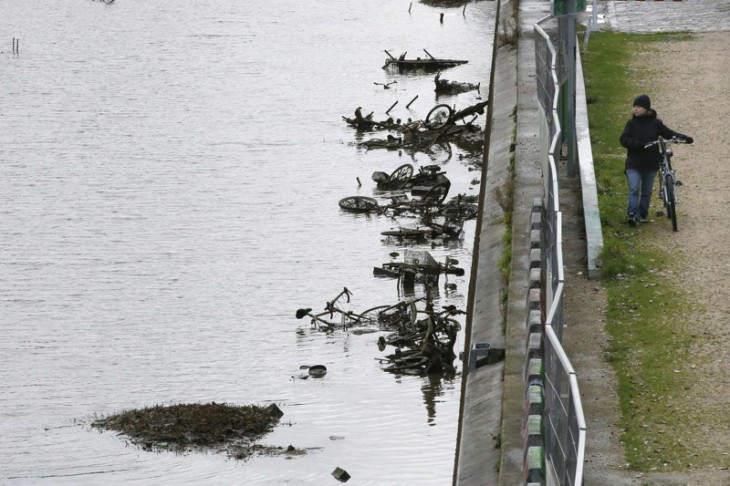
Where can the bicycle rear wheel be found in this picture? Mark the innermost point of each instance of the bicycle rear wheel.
(461, 211)
(373, 315)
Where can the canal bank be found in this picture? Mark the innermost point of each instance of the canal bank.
(505, 298)
(496, 405)
(491, 448)
(491, 394)
(476, 463)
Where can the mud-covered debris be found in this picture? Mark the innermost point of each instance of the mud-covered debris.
(183, 427)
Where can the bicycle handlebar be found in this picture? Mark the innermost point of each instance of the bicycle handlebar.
(665, 141)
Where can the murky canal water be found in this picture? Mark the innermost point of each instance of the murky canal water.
(169, 178)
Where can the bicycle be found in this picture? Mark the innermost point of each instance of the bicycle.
(404, 177)
(430, 197)
(334, 316)
(442, 115)
(667, 177)
(428, 343)
(326, 320)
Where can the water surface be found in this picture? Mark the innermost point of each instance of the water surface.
(169, 178)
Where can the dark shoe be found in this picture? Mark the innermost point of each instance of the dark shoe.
(644, 219)
(631, 219)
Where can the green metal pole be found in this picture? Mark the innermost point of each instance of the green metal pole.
(570, 46)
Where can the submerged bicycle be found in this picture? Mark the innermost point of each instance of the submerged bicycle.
(442, 115)
(667, 177)
(335, 316)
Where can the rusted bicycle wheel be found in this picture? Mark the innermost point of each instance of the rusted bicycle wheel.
(439, 116)
(359, 204)
(401, 176)
(437, 194)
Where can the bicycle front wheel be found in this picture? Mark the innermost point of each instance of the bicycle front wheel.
(359, 204)
(436, 194)
(671, 201)
(401, 176)
(438, 116)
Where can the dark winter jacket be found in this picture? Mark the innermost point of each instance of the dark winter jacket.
(641, 130)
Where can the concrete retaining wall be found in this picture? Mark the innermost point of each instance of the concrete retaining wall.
(478, 455)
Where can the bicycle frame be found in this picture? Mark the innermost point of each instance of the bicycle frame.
(667, 178)
(326, 319)
(668, 175)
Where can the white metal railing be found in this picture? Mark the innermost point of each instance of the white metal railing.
(564, 422)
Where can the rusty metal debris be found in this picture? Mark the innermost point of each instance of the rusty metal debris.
(429, 63)
(424, 345)
(423, 338)
(446, 87)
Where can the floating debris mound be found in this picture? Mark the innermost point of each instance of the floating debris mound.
(184, 427)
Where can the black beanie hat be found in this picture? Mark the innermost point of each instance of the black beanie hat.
(643, 101)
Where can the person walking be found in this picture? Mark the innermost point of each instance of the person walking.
(642, 163)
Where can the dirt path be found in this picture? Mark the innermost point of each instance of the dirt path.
(693, 99)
